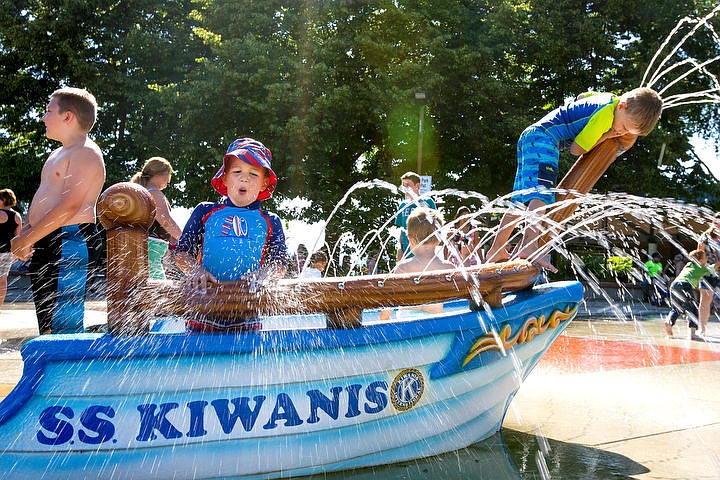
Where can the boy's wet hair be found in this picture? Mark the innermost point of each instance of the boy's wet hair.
(644, 107)
(412, 176)
(80, 102)
(423, 223)
(318, 257)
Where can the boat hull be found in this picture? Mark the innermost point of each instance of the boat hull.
(273, 404)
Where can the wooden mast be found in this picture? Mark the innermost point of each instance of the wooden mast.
(127, 211)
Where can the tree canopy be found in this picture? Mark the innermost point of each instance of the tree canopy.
(329, 87)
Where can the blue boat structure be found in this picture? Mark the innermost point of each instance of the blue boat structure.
(345, 373)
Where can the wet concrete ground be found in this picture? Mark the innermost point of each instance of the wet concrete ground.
(611, 399)
(633, 403)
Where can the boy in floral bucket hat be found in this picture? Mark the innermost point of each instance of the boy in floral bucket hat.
(235, 238)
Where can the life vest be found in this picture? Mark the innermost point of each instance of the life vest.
(234, 242)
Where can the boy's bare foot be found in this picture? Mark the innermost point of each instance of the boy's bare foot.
(501, 255)
(543, 262)
(668, 330)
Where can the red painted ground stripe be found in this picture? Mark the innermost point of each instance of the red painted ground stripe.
(577, 354)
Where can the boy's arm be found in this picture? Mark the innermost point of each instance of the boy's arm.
(277, 249)
(576, 149)
(702, 242)
(186, 254)
(186, 262)
(188, 246)
(18, 220)
(398, 247)
(83, 169)
(197, 278)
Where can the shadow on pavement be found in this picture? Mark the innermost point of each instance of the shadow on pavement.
(567, 460)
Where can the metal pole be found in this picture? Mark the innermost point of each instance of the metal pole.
(421, 98)
(420, 139)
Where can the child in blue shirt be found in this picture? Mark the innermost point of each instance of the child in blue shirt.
(578, 126)
(235, 238)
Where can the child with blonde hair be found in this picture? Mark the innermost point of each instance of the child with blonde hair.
(423, 225)
(155, 176)
(60, 233)
(577, 126)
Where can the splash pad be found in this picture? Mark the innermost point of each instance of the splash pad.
(353, 391)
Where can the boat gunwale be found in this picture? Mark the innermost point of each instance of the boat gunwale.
(173, 344)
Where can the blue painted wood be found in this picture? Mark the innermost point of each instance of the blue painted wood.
(274, 403)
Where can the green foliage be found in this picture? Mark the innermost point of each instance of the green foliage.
(602, 267)
(329, 88)
(616, 264)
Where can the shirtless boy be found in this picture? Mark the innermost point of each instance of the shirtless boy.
(422, 225)
(61, 219)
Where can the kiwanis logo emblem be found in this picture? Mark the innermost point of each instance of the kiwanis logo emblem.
(407, 388)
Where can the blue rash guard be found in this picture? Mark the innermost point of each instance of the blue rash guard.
(581, 121)
(231, 242)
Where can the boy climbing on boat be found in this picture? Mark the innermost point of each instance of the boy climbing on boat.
(235, 239)
(423, 226)
(578, 126)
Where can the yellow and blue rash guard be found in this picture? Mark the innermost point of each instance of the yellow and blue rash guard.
(583, 121)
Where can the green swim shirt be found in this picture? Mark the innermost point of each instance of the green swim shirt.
(692, 273)
(653, 268)
(599, 123)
